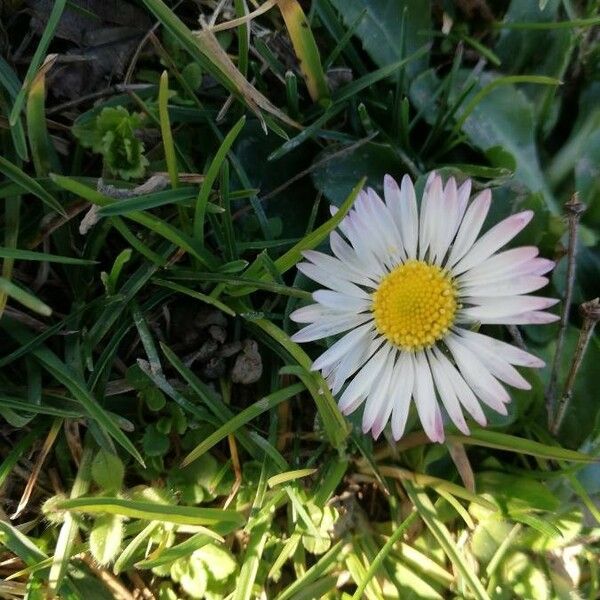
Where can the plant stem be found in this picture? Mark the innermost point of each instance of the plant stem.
(591, 314)
(574, 209)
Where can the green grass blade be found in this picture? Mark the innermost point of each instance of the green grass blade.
(40, 52)
(69, 529)
(19, 450)
(160, 227)
(264, 404)
(195, 294)
(165, 129)
(511, 443)
(30, 185)
(289, 476)
(382, 554)
(313, 239)
(306, 49)
(43, 257)
(150, 511)
(329, 560)
(11, 83)
(148, 201)
(211, 176)
(76, 386)
(428, 514)
(42, 150)
(24, 297)
(350, 90)
(185, 548)
(336, 428)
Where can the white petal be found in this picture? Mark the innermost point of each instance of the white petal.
(331, 281)
(496, 364)
(353, 361)
(526, 318)
(386, 227)
(312, 313)
(532, 267)
(494, 308)
(447, 220)
(498, 265)
(511, 353)
(348, 256)
(470, 227)
(400, 211)
(540, 266)
(425, 400)
(480, 380)
(402, 388)
(463, 392)
(332, 326)
(343, 346)
(363, 245)
(402, 203)
(336, 267)
(464, 192)
(430, 213)
(447, 394)
(363, 381)
(379, 397)
(506, 287)
(495, 238)
(339, 301)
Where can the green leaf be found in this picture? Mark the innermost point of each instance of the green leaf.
(505, 118)
(108, 470)
(106, 537)
(336, 178)
(385, 24)
(112, 134)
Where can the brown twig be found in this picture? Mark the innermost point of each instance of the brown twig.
(591, 314)
(574, 209)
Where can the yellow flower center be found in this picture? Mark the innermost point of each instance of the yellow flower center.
(414, 305)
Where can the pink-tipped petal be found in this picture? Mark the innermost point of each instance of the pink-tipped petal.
(495, 238)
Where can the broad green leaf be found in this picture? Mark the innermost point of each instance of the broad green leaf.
(504, 117)
(106, 537)
(385, 24)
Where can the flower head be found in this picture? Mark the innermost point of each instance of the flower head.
(406, 286)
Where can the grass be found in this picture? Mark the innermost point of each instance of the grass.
(160, 433)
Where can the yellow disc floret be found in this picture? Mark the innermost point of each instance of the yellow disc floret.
(415, 305)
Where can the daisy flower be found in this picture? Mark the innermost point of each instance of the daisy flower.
(407, 286)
